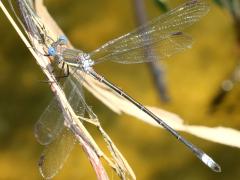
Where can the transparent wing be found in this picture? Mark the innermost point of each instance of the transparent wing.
(163, 30)
(77, 80)
(50, 130)
(51, 122)
(56, 153)
(165, 48)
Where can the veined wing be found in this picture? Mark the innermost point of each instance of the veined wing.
(88, 114)
(51, 122)
(51, 131)
(165, 48)
(62, 141)
(163, 30)
(55, 154)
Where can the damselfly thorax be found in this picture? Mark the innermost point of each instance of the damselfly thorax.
(71, 57)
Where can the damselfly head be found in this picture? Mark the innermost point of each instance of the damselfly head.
(62, 40)
(51, 51)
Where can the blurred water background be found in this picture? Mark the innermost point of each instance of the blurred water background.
(193, 78)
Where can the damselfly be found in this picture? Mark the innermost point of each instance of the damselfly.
(163, 34)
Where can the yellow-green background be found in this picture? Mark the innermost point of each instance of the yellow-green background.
(193, 78)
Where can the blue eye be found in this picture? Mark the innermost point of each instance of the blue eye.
(63, 39)
(51, 51)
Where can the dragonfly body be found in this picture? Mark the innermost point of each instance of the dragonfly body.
(166, 38)
(78, 59)
(164, 34)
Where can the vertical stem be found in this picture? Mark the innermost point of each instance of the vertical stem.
(154, 65)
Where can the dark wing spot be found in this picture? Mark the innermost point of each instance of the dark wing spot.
(177, 33)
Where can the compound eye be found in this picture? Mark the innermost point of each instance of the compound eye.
(51, 51)
(63, 39)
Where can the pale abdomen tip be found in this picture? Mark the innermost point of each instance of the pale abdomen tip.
(210, 163)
